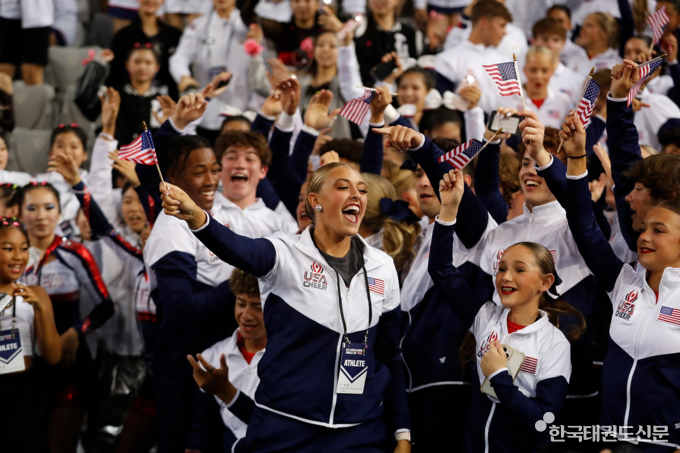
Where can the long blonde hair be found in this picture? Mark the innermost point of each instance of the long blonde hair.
(399, 238)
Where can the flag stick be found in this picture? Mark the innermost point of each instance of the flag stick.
(651, 46)
(157, 167)
(519, 82)
(500, 129)
(583, 92)
(373, 89)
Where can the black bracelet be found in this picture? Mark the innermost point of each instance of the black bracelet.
(577, 157)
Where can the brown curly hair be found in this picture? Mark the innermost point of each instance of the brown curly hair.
(244, 283)
(660, 174)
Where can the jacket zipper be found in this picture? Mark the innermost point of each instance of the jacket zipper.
(632, 369)
(337, 364)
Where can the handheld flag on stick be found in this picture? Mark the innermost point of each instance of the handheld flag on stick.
(356, 109)
(658, 22)
(506, 76)
(141, 151)
(586, 103)
(462, 155)
(646, 71)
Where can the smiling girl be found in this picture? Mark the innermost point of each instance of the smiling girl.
(549, 105)
(645, 333)
(330, 300)
(526, 320)
(31, 313)
(64, 268)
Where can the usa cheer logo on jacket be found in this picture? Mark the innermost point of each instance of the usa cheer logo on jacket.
(627, 306)
(315, 279)
(497, 260)
(486, 344)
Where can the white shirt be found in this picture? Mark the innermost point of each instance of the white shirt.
(546, 225)
(24, 322)
(515, 41)
(568, 82)
(606, 60)
(33, 13)
(553, 110)
(242, 375)
(468, 59)
(648, 120)
(187, 6)
(255, 221)
(588, 7)
(211, 45)
(279, 11)
(573, 55)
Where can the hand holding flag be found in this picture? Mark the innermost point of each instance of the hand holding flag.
(646, 70)
(141, 151)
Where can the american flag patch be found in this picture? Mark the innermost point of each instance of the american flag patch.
(669, 315)
(529, 365)
(554, 255)
(376, 285)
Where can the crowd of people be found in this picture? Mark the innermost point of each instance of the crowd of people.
(292, 276)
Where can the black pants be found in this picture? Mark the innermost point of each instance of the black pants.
(438, 417)
(24, 400)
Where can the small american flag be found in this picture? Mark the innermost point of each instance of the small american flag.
(505, 76)
(376, 285)
(658, 22)
(141, 151)
(356, 109)
(585, 106)
(646, 70)
(669, 315)
(529, 365)
(460, 156)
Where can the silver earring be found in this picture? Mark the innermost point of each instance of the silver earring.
(318, 208)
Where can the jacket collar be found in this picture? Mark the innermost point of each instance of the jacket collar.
(546, 213)
(151, 92)
(372, 258)
(531, 328)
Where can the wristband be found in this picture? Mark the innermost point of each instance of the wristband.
(577, 157)
(406, 435)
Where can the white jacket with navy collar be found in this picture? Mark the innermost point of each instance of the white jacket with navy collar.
(300, 295)
(642, 367)
(505, 424)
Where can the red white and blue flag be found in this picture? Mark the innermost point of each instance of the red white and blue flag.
(376, 285)
(658, 22)
(356, 109)
(669, 315)
(141, 151)
(505, 76)
(459, 157)
(646, 71)
(529, 365)
(585, 106)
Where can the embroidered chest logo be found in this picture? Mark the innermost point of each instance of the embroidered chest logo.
(315, 278)
(376, 285)
(529, 365)
(486, 343)
(497, 260)
(627, 306)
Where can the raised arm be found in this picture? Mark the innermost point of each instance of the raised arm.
(591, 243)
(255, 256)
(87, 86)
(283, 131)
(426, 154)
(623, 144)
(444, 274)
(372, 152)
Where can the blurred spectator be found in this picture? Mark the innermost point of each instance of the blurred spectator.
(65, 23)
(212, 45)
(6, 107)
(145, 27)
(382, 33)
(572, 54)
(287, 37)
(25, 29)
(138, 97)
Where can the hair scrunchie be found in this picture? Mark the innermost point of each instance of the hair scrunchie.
(398, 211)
